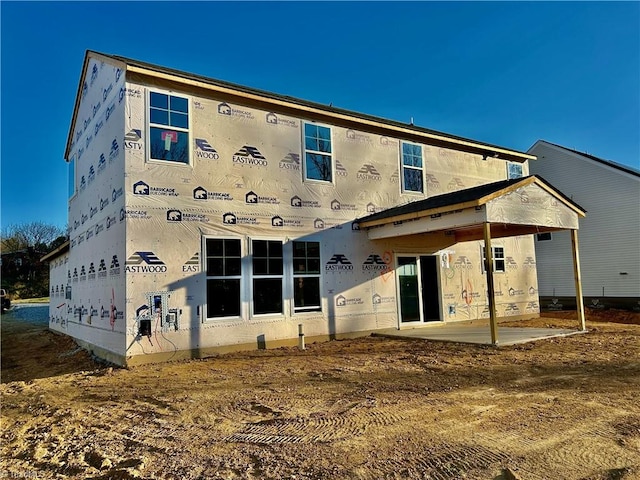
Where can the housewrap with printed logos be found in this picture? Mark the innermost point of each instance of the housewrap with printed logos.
(240, 210)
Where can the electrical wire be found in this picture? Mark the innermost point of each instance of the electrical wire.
(155, 330)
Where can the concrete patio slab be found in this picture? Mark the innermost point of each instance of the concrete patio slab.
(476, 333)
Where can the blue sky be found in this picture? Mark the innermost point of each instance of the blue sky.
(505, 73)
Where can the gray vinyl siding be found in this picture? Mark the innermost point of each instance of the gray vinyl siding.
(609, 236)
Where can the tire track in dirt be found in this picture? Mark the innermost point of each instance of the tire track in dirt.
(308, 430)
(448, 462)
(589, 446)
(152, 431)
(592, 448)
(327, 422)
(312, 420)
(376, 412)
(628, 428)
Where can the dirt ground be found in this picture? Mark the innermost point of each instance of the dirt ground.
(370, 408)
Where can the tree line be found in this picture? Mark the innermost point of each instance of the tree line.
(22, 273)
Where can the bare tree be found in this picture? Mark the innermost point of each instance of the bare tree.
(34, 234)
(319, 167)
(23, 245)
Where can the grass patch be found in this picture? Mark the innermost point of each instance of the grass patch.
(31, 300)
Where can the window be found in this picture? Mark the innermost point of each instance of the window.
(267, 276)
(318, 164)
(224, 271)
(412, 168)
(168, 128)
(542, 237)
(498, 259)
(306, 277)
(514, 170)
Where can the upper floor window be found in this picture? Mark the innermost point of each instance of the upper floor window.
(318, 162)
(514, 170)
(168, 127)
(542, 237)
(412, 168)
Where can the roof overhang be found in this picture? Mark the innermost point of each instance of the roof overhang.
(62, 249)
(157, 75)
(512, 207)
(85, 66)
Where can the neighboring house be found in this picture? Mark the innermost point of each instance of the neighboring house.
(13, 260)
(609, 236)
(206, 216)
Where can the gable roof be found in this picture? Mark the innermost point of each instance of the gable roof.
(85, 64)
(609, 163)
(469, 197)
(277, 101)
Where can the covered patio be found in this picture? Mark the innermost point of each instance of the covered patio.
(507, 208)
(477, 332)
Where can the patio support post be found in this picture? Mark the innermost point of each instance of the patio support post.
(578, 280)
(488, 268)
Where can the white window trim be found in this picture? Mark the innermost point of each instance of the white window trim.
(403, 190)
(304, 155)
(281, 276)
(203, 269)
(148, 125)
(305, 275)
(521, 170)
(493, 258)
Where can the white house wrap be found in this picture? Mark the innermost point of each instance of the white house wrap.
(206, 216)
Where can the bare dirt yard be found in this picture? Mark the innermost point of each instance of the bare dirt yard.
(370, 408)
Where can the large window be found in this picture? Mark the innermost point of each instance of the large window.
(514, 170)
(306, 276)
(412, 168)
(498, 259)
(267, 276)
(168, 127)
(223, 277)
(318, 163)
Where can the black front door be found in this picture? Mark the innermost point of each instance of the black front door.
(409, 287)
(430, 289)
